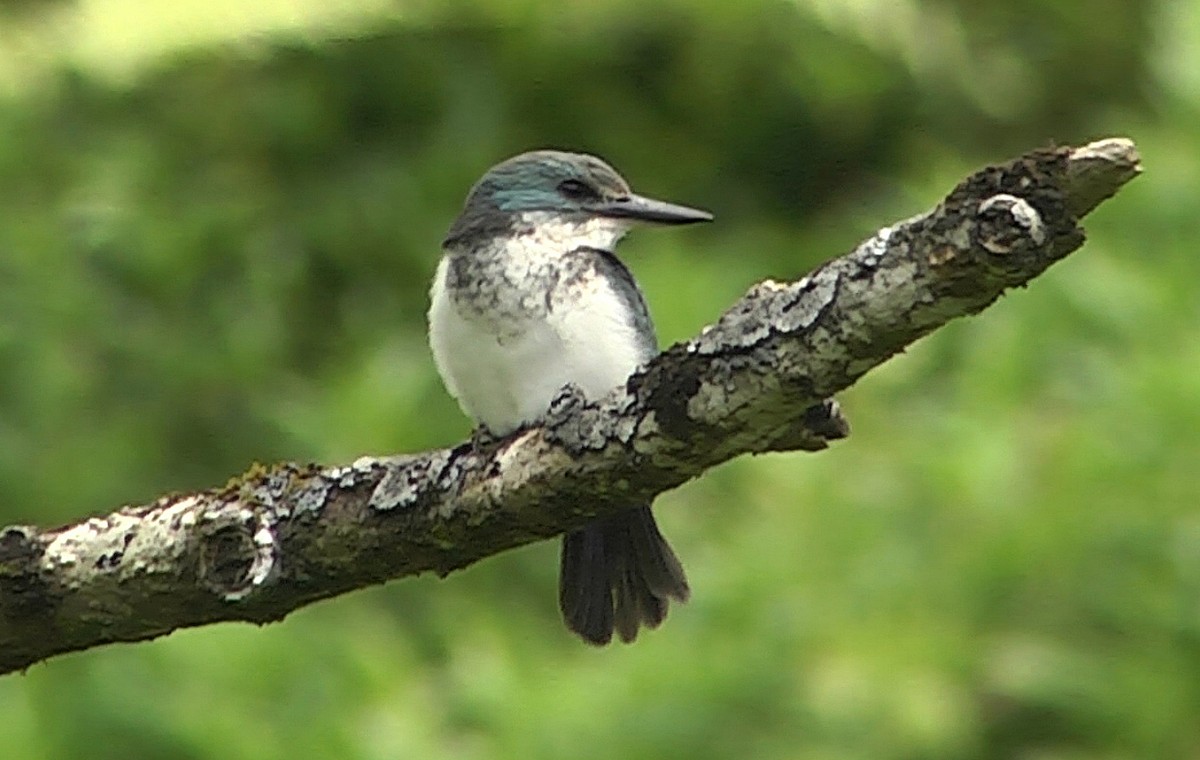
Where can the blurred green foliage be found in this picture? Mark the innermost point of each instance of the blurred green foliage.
(215, 248)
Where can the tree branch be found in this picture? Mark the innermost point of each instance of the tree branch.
(279, 537)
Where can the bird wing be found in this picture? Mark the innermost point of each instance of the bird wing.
(626, 288)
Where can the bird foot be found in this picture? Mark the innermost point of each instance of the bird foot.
(566, 403)
(483, 441)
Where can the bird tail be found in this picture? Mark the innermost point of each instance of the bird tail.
(618, 574)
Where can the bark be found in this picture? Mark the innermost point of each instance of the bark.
(276, 538)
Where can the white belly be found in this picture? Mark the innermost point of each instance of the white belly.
(504, 376)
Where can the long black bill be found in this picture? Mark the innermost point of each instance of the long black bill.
(650, 210)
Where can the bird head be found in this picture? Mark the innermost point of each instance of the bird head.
(569, 190)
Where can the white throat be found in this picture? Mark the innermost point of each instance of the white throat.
(551, 230)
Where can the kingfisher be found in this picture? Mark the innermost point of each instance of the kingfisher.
(528, 299)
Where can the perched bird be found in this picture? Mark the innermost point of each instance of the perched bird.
(528, 298)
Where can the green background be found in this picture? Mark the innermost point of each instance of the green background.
(217, 225)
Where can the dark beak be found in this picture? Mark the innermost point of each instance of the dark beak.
(649, 210)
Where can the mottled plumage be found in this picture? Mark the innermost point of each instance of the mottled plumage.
(529, 297)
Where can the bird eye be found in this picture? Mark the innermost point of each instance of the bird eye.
(576, 190)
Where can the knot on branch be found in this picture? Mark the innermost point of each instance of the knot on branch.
(238, 552)
(18, 547)
(1006, 224)
(26, 595)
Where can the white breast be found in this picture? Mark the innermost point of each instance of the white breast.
(505, 375)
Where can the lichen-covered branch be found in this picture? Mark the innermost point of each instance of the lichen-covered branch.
(279, 537)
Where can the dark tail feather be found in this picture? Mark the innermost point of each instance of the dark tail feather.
(618, 573)
(583, 596)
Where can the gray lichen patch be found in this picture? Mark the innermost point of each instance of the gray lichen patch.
(871, 251)
(407, 480)
(311, 496)
(123, 543)
(804, 302)
(721, 396)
